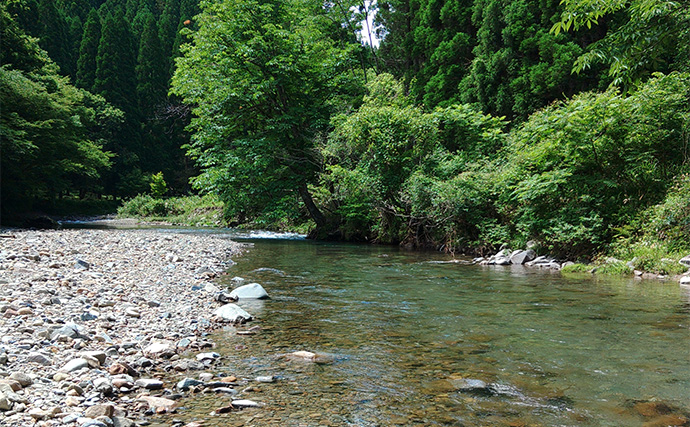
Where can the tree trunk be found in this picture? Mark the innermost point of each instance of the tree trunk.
(314, 211)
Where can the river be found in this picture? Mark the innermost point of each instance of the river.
(421, 338)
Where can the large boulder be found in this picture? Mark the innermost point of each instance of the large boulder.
(521, 257)
(250, 291)
(232, 313)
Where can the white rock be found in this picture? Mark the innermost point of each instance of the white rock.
(685, 280)
(244, 403)
(250, 291)
(211, 288)
(158, 348)
(75, 365)
(98, 355)
(232, 313)
(207, 356)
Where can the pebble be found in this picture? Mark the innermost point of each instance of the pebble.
(207, 356)
(96, 411)
(39, 358)
(75, 365)
(23, 379)
(149, 384)
(244, 403)
(114, 285)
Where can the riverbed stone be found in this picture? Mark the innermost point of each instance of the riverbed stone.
(5, 404)
(232, 313)
(13, 384)
(207, 356)
(250, 291)
(149, 383)
(122, 422)
(23, 379)
(684, 280)
(96, 354)
(75, 365)
(39, 358)
(520, 257)
(103, 385)
(245, 403)
(159, 404)
(70, 330)
(96, 411)
(159, 349)
(188, 383)
(122, 275)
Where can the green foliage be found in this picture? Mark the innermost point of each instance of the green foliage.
(669, 221)
(653, 257)
(497, 55)
(264, 76)
(188, 210)
(577, 169)
(152, 75)
(654, 36)
(88, 51)
(576, 268)
(158, 185)
(398, 174)
(48, 147)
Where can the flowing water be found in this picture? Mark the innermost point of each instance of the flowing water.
(407, 335)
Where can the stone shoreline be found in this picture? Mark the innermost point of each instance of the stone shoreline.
(91, 320)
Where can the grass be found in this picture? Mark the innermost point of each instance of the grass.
(189, 210)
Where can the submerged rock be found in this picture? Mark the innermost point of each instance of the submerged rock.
(308, 356)
(232, 313)
(159, 404)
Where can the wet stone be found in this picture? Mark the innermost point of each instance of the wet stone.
(149, 384)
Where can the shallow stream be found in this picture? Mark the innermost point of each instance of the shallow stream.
(405, 331)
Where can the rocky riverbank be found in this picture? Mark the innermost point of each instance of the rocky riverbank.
(94, 321)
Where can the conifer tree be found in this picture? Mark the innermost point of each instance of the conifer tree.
(168, 26)
(88, 50)
(54, 35)
(116, 82)
(151, 74)
(115, 65)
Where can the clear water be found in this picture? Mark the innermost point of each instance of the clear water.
(402, 329)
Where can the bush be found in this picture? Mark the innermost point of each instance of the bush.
(158, 185)
(190, 210)
(577, 170)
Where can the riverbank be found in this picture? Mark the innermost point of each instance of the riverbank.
(93, 319)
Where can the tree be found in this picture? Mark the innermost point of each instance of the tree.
(46, 138)
(151, 73)
(518, 66)
(264, 76)
(88, 51)
(116, 82)
(55, 36)
(168, 26)
(654, 36)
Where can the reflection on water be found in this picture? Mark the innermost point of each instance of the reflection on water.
(409, 335)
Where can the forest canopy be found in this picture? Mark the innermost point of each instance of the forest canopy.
(471, 124)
